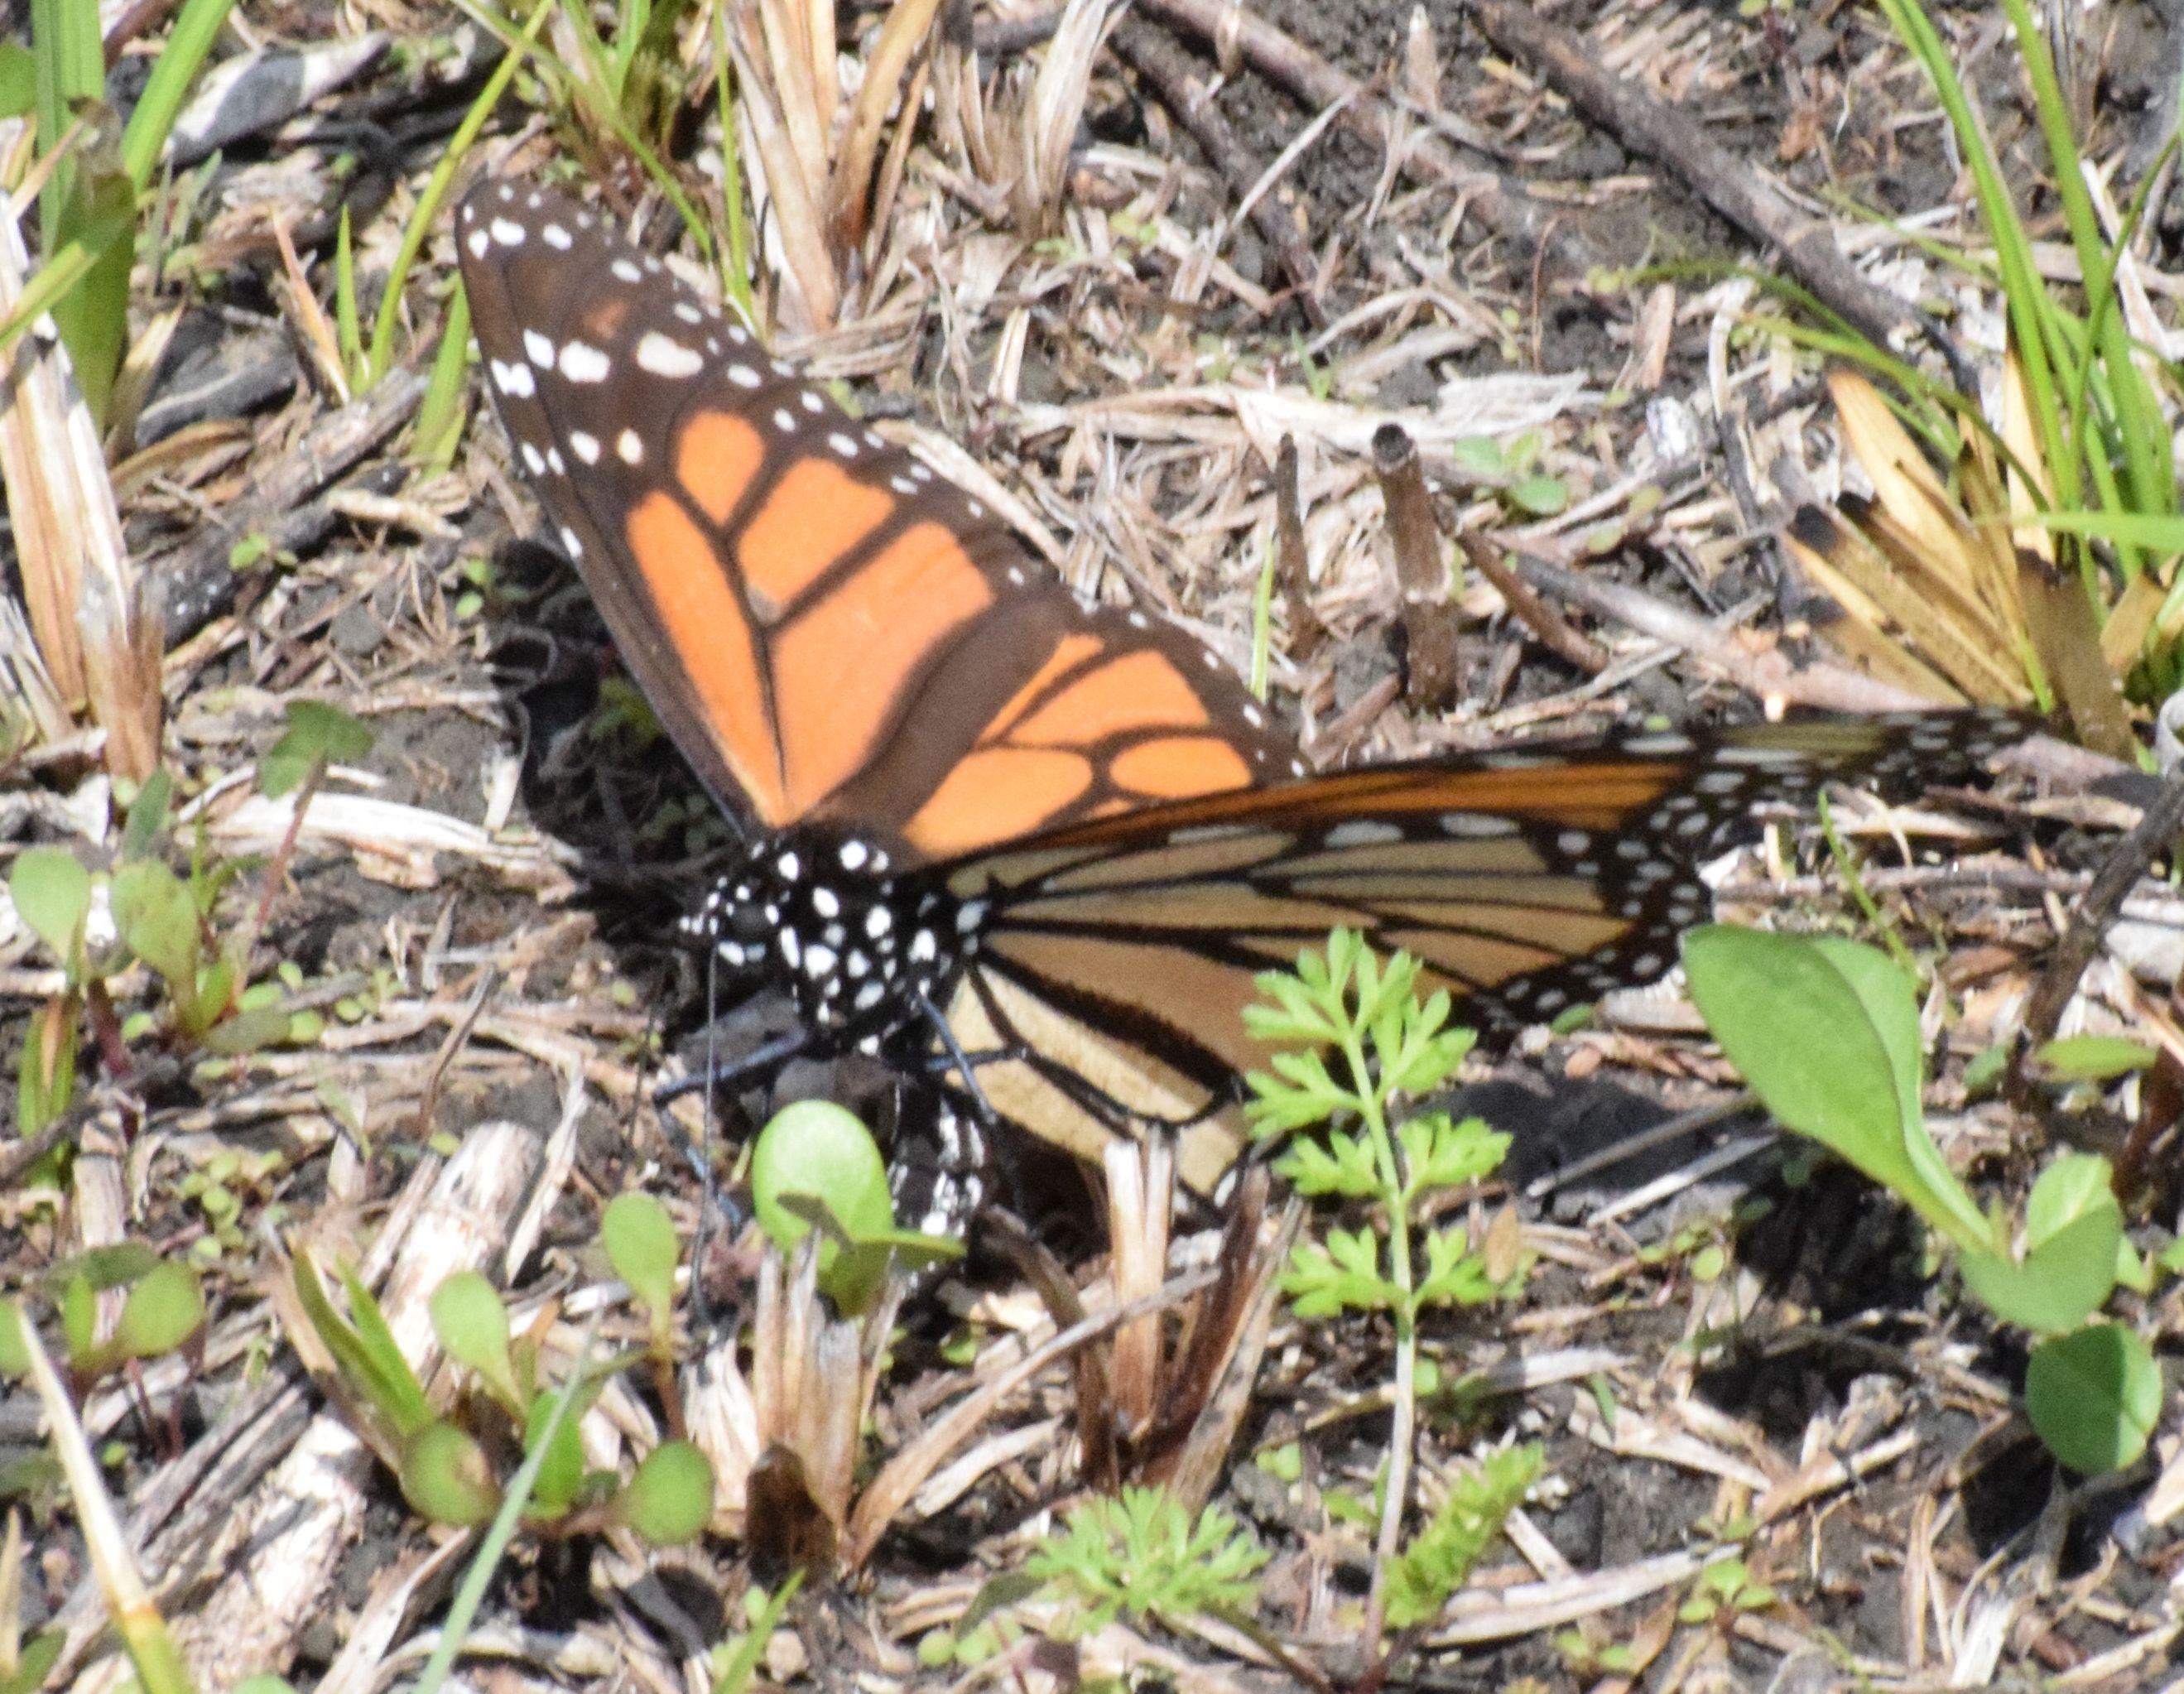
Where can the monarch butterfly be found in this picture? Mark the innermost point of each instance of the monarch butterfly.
(1037, 848)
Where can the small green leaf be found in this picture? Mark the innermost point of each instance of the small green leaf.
(2094, 1395)
(148, 815)
(1344, 1275)
(1827, 1032)
(1479, 456)
(472, 1325)
(364, 1351)
(641, 1246)
(52, 893)
(1336, 1163)
(446, 1478)
(2093, 1058)
(1444, 1554)
(318, 734)
(560, 1477)
(165, 1307)
(1454, 1275)
(14, 1357)
(2061, 1282)
(34, 1660)
(2071, 1186)
(79, 1313)
(45, 1081)
(248, 1031)
(157, 922)
(1442, 1155)
(1540, 495)
(19, 97)
(670, 1500)
(816, 1148)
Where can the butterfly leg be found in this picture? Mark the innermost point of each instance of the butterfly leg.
(986, 1133)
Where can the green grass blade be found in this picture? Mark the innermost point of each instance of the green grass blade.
(2026, 294)
(60, 273)
(440, 413)
(436, 191)
(196, 27)
(348, 337)
(462, 1610)
(71, 66)
(735, 262)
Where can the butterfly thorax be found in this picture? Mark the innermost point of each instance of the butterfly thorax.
(863, 950)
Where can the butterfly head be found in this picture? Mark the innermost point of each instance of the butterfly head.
(863, 948)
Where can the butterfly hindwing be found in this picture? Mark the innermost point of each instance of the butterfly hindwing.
(1114, 958)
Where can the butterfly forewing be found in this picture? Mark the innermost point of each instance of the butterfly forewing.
(829, 631)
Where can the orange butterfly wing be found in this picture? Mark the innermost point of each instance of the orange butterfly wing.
(830, 633)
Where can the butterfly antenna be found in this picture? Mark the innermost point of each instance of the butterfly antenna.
(709, 1198)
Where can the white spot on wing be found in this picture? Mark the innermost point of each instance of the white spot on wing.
(580, 362)
(664, 356)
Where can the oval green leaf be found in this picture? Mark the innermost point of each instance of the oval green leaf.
(2094, 1396)
(445, 1477)
(472, 1325)
(1826, 1031)
(159, 922)
(816, 1148)
(561, 1473)
(52, 893)
(2061, 1282)
(2092, 1058)
(641, 1246)
(670, 1500)
(163, 1309)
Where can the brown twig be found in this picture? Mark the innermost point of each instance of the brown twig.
(1432, 670)
(1555, 631)
(2157, 830)
(1419, 570)
(1153, 55)
(1769, 675)
(1294, 563)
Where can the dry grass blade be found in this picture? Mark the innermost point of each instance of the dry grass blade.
(1047, 125)
(906, 1472)
(1911, 569)
(87, 607)
(2058, 612)
(851, 209)
(811, 165)
(151, 1649)
(786, 153)
(813, 1378)
(30, 708)
(1140, 1201)
(1964, 585)
(1219, 1367)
